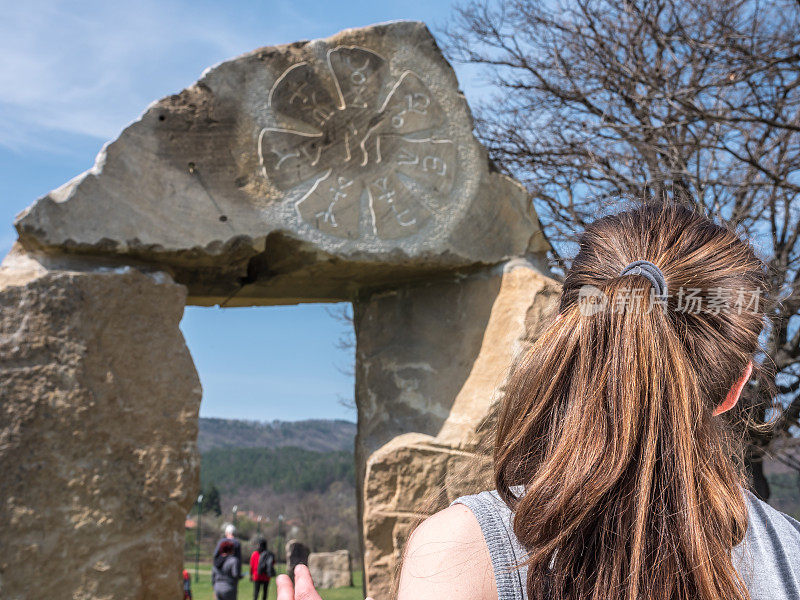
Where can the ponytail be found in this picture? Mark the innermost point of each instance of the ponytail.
(623, 483)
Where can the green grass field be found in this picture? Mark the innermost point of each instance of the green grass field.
(201, 590)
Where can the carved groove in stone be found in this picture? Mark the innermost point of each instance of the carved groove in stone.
(360, 165)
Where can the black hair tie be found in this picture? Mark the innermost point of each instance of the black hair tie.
(650, 272)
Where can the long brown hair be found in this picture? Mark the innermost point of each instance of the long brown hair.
(632, 488)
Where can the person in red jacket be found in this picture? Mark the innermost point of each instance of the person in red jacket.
(187, 585)
(262, 569)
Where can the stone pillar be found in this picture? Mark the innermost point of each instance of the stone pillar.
(431, 362)
(98, 458)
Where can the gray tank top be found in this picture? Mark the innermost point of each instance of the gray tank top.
(768, 559)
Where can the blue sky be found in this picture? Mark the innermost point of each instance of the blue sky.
(74, 74)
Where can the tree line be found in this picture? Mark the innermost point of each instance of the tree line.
(284, 469)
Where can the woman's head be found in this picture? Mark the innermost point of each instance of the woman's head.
(715, 281)
(631, 484)
(262, 545)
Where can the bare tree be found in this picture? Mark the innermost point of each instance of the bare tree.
(346, 344)
(312, 514)
(597, 100)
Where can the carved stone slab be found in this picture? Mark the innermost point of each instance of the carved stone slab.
(307, 170)
(373, 161)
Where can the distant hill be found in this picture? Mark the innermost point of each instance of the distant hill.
(317, 435)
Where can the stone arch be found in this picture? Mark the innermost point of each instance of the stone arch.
(330, 170)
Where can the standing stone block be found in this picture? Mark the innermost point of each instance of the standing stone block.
(330, 569)
(98, 465)
(463, 352)
(296, 554)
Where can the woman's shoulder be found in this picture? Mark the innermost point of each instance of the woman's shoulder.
(446, 556)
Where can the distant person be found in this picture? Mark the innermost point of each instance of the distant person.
(187, 585)
(230, 536)
(225, 572)
(262, 569)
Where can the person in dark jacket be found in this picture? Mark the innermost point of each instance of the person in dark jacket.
(225, 572)
(230, 535)
(261, 580)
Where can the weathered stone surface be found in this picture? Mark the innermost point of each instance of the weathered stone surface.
(99, 401)
(296, 554)
(298, 172)
(463, 349)
(330, 569)
(407, 479)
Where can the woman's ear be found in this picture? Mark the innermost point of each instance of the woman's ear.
(735, 392)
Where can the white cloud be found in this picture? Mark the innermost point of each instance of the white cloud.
(91, 67)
